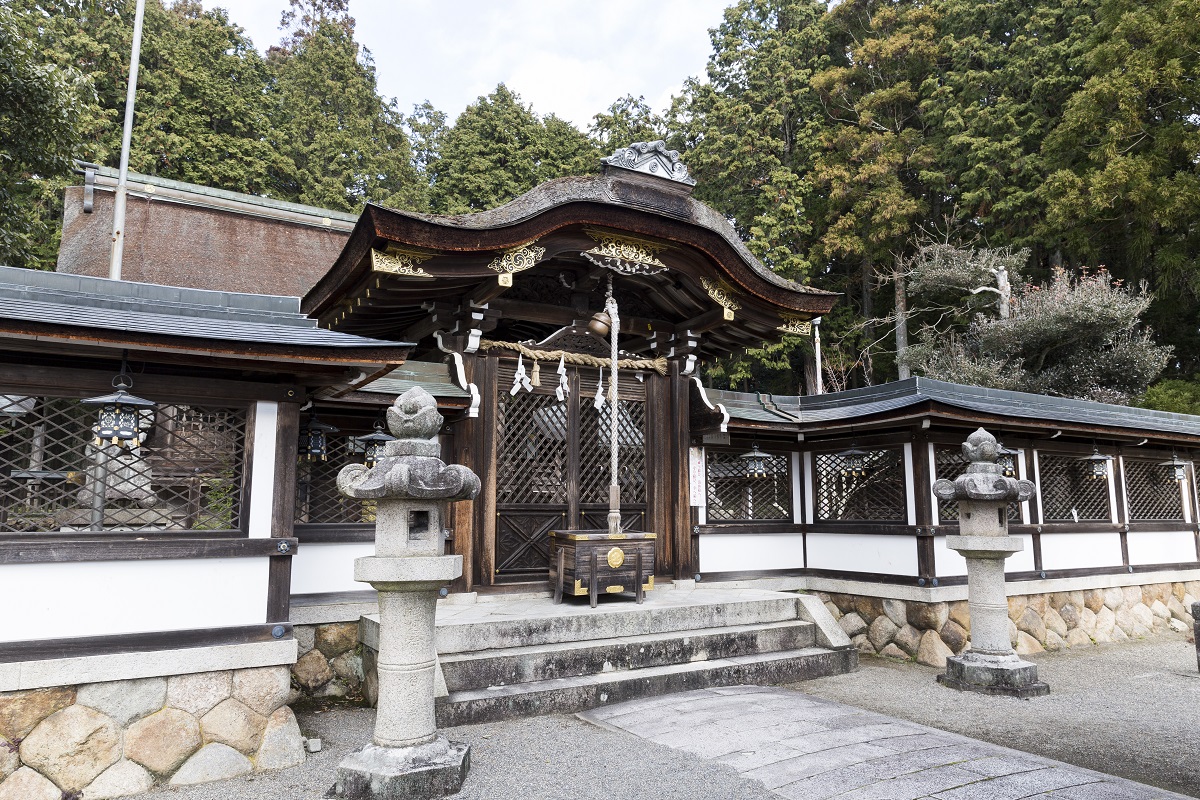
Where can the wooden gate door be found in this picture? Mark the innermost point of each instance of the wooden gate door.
(552, 466)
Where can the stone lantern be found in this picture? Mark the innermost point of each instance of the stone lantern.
(409, 482)
(983, 493)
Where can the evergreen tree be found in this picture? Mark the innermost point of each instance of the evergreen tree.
(40, 105)
(499, 149)
(626, 121)
(339, 144)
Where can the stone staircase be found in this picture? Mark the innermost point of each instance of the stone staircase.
(542, 659)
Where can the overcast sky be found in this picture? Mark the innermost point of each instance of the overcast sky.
(569, 57)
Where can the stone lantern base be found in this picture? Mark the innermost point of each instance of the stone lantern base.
(988, 674)
(423, 772)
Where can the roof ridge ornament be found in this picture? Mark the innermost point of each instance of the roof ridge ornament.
(651, 158)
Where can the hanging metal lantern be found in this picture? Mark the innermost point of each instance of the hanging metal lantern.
(314, 445)
(1176, 467)
(1097, 465)
(756, 462)
(1006, 460)
(119, 421)
(374, 443)
(854, 463)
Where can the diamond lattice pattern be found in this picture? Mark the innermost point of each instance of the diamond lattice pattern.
(734, 496)
(949, 463)
(318, 500)
(878, 496)
(1067, 493)
(185, 475)
(531, 460)
(595, 452)
(1153, 491)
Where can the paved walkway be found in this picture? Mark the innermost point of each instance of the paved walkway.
(807, 748)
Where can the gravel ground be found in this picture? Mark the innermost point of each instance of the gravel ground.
(543, 758)
(1130, 709)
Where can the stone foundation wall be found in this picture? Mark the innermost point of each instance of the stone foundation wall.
(930, 632)
(103, 740)
(330, 663)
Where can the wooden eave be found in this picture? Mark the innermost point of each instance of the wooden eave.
(353, 299)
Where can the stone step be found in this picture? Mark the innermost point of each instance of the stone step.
(569, 695)
(574, 622)
(526, 664)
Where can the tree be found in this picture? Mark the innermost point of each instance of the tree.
(750, 131)
(426, 127)
(499, 149)
(627, 120)
(40, 104)
(339, 144)
(1074, 337)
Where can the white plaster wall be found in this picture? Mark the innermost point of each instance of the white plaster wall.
(859, 552)
(51, 601)
(1079, 550)
(262, 469)
(742, 552)
(1162, 547)
(321, 568)
(949, 562)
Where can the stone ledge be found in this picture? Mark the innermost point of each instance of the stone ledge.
(328, 613)
(22, 675)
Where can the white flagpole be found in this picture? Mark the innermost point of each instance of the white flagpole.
(118, 235)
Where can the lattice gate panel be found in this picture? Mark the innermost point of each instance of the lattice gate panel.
(595, 449)
(531, 475)
(949, 463)
(1153, 492)
(877, 496)
(186, 475)
(732, 495)
(1067, 493)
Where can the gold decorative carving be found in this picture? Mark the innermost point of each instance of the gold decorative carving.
(795, 325)
(625, 254)
(405, 263)
(616, 557)
(516, 259)
(614, 589)
(722, 295)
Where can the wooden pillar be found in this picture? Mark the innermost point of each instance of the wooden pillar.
(465, 451)
(676, 559)
(283, 510)
(485, 506)
(1035, 508)
(660, 491)
(923, 500)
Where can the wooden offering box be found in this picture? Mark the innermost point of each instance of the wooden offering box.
(591, 562)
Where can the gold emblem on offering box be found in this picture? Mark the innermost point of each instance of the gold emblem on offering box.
(616, 557)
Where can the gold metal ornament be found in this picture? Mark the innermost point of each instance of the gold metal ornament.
(516, 259)
(616, 557)
(400, 262)
(625, 254)
(795, 325)
(722, 295)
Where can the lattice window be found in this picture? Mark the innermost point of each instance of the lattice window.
(949, 463)
(877, 496)
(531, 430)
(186, 475)
(1067, 492)
(1152, 491)
(595, 449)
(318, 500)
(732, 495)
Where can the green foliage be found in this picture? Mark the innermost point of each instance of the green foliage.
(1074, 337)
(339, 144)
(39, 108)
(1178, 396)
(628, 120)
(499, 148)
